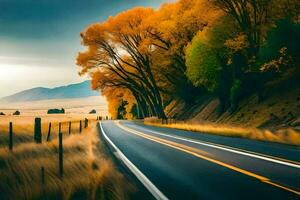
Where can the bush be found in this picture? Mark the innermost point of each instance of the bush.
(93, 111)
(56, 111)
(17, 113)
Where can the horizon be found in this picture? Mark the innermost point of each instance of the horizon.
(40, 42)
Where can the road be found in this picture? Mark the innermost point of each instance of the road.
(175, 164)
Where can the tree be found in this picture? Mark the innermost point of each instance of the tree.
(121, 110)
(170, 30)
(149, 58)
(283, 35)
(203, 65)
(118, 46)
(208, 60)
(255, 17)
(252, 20)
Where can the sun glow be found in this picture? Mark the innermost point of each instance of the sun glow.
(13, 72)
(18, 77)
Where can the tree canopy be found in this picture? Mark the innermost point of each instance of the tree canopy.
(142, 59)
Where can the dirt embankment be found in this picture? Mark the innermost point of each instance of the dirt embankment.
(279, 109)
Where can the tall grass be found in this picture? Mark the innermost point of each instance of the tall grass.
(88, 173)
(285, 136)
(23, 126)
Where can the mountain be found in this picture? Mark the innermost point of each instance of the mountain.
(78, 90)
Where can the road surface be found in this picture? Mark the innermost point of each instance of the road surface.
(175, 164)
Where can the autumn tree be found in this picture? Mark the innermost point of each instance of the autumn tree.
(118, 45)
(143, 59)
(251, 22)
(170, 30)
(254, 17)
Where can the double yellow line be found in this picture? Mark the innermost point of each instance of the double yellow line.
(203, 155)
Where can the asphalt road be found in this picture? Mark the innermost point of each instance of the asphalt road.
(174, 164)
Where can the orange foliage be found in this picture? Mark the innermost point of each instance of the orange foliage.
(115, 96)
(130, 54)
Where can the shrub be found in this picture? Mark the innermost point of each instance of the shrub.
(56, 111)
(17, 113)
(93, 111)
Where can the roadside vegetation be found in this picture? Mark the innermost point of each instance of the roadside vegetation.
(284, 136)
(23, 126)
(193, 57)
(88, 172)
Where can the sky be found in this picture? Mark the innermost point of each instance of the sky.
(39, 39)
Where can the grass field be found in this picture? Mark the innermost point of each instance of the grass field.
(71, 106)
(88, 172)
(23, 126)
(285, 136)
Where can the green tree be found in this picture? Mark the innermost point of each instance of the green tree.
(203, 65)
(283, 35)
(208, 61)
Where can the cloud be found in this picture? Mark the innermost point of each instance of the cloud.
(41, 62)
(39, 39)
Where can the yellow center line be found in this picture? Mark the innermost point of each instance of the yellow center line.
(196, 152)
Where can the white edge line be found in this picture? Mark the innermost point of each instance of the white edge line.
(142, 178)
(228, 149)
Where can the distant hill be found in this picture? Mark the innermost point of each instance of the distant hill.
(78, 90)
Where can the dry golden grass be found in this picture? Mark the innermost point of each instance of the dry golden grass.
(88, 174)
(23, 126)
(285, 136)
(78, 105)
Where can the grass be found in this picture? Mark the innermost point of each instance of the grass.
(77, 105)
(23, 126)
(285, 136)
(88, 172)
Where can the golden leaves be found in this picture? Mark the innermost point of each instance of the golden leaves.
(239, 43)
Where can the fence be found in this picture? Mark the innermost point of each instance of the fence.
(69, 126)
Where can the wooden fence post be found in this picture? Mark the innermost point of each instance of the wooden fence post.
(86, 123)
(49, 132)
(70, 127)
(80, 126)
(59, 127)
(37, 130)
(11, 137)
(43, 175)
(60, 154)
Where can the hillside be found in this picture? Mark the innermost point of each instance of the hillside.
(280, 107)
(78, 90)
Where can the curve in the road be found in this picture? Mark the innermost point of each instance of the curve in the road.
(188, 150)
